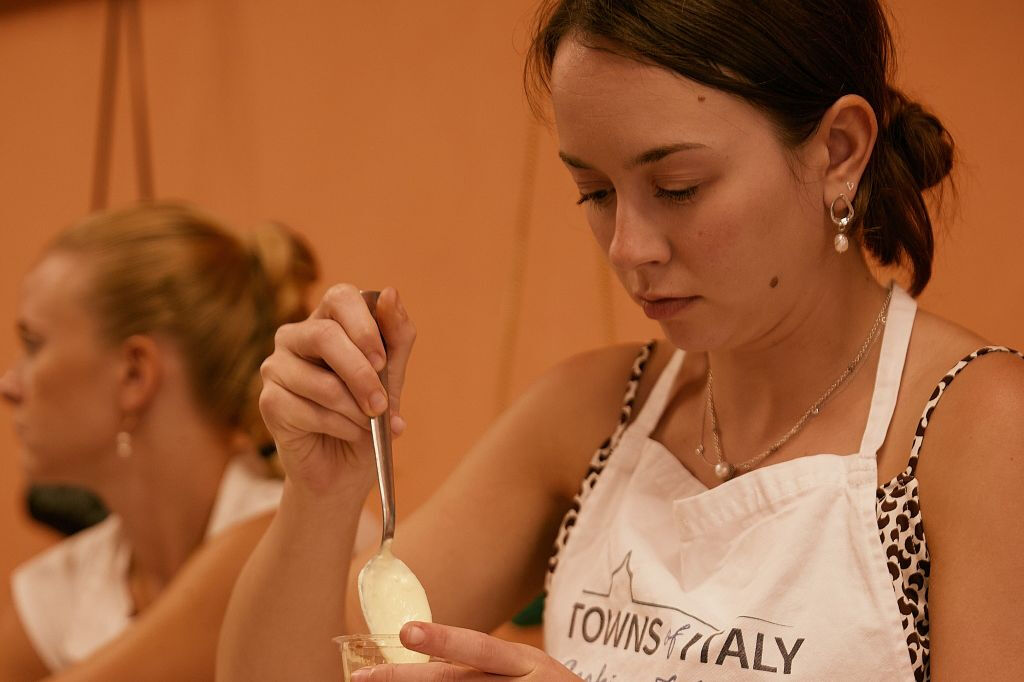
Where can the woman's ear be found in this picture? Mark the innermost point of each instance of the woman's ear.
(848, 129)
(141, 373)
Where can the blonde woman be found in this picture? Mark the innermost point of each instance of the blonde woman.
(143, 331)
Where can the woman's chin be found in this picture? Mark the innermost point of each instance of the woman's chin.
(41, 470)
(687, 337)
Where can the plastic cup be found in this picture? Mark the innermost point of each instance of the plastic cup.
(363, 651)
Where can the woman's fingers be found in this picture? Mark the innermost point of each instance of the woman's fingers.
(285, 410)
(468, 647)
(400, 335)
(474, 657)
(344, 304)
(313, 382)
(321, 340)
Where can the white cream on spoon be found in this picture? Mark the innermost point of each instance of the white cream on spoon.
(389, 593)
(391, 596)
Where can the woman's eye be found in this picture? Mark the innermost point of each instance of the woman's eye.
(678, 195)
(597, 196)
(30, 344)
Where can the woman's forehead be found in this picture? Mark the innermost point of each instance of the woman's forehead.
(54, 291)
(598, 95)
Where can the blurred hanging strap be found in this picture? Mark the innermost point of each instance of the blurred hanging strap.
(105, 120)
(116, 9)
(140, 112)
(509, 341)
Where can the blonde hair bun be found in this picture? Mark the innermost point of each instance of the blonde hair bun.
(167, 268)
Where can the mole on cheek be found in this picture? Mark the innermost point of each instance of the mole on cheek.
(701, 98)
(774, 283)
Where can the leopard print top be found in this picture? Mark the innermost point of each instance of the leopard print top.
(900, 526)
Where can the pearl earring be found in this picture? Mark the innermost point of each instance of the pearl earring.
(841, 242)
(124, 444)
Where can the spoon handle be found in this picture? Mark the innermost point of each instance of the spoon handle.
(380, 430)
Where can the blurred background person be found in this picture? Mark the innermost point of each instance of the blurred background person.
(143, 331)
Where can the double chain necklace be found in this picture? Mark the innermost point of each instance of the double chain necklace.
(723, 469)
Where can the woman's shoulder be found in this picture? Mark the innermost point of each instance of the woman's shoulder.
(66, 560)
(970, 400)
(941, 349)
(597, 381)
(77, 578)
(576, 405)
(970, 446)
(946, 372)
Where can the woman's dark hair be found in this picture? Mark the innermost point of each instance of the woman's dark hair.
(792, 59)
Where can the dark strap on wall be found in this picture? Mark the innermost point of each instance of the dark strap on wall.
(122, 12)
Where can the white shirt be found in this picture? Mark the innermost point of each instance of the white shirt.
(73, 598)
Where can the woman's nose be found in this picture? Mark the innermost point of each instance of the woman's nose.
(636, 241)
(10, 387)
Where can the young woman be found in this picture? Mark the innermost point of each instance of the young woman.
(761, 508)
(143, 331)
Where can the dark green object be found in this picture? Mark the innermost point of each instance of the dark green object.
(533, 614)
(66, 508)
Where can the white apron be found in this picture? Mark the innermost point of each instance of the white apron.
(776, 574)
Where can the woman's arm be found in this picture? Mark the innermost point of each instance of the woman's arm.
(479, 545)
(971, 478)
(175, 638)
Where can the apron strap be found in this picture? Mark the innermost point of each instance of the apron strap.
(895, 342)
(655, 404)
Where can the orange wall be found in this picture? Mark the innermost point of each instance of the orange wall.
(393, 135)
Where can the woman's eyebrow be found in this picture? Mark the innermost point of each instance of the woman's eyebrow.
(659, 153)
(650, 156)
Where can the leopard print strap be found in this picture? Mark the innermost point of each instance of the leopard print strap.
(600, 458)
(901, 530)
(929, 407)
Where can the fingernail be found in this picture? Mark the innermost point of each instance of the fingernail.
(378, 402)
(397, 425)
(362, 675)
(377, 361)
(413, 634)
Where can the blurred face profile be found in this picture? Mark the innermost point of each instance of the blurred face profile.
(701, 210)
(63, 387)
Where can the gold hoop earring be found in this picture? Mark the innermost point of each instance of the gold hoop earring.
(841, 241)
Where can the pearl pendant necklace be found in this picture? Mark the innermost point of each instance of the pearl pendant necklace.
(724, 470)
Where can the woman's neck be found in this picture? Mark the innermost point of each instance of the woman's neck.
(768, 385)
(164, 497)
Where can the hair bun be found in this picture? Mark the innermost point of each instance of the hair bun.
(920, 139)
(287, 265)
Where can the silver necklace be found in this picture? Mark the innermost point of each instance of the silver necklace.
(723, 469)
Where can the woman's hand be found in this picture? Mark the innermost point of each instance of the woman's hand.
(474, 657)
(320, 387)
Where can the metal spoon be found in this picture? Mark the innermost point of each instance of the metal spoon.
(380, 429)
(389, 593)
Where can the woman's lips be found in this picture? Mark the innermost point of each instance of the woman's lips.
(664, 308)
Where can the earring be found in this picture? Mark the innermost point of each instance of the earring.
(850, 186)
(841, 242)
(124, 444)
